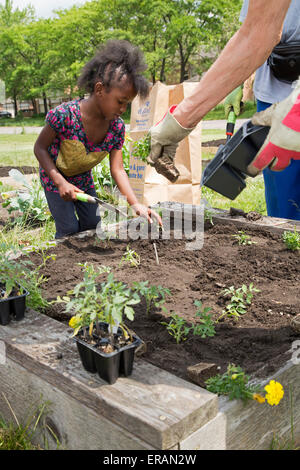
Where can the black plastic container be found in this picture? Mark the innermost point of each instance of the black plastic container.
(12, 307)
(227, 171)
(109, 366)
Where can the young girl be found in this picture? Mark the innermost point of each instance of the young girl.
(80, 133)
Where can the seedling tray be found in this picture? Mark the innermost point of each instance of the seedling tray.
(12, 307)
(109, 366)
(227, 172)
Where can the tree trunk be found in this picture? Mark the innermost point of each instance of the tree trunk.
(15, 104)
(162, 77)
(45, 103)
(33, 101)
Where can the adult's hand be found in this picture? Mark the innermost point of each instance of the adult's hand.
(283, 141)
(164, 139)
(233, 100)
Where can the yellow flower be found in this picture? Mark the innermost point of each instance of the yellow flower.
(74, 321)
(258, 397)
(234, 376)
(275, 392)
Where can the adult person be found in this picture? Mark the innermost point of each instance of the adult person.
(282, 188)
(245, 52)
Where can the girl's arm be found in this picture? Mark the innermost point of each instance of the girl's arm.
(66, 190)
(120, 176)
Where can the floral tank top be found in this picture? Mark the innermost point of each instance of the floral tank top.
(66, 121)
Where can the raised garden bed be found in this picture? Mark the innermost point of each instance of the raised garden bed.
(259, 341)
(153, 408)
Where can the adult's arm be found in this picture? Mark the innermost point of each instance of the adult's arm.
(247, 50)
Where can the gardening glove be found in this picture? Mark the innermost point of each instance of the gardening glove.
(283, 141)
(164, 138)
(234, 100)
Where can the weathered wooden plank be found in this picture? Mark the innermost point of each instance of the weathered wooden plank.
(74, 425)
(152, 404)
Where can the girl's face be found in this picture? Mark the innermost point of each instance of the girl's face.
(113, 102)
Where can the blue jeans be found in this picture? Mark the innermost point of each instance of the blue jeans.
(282, 188)
(64, 214)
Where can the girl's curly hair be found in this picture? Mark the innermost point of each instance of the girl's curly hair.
(116, 60)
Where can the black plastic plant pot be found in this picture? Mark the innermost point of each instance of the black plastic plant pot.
(127, 357)
(4, 310)
(13, 306)
(226, 173)
(86, 353)
(108, 365)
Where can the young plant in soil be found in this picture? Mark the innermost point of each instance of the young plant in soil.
(14, 272)
(130, 257)
(92, 305)
(233, 383)
(155, 296)
(177, 328)
(205, 327)
(291, 240)
(240, 299)
(243, 239)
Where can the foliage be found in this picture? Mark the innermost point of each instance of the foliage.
(141, 148)
(242, 238)
(291, 240)
(177, 328)
(109, 303)
(153, 295)
(31, 204)
(14, 272)
(240, 299)
(131, 257)
(178, 37)
(233, 383)
(205, 327)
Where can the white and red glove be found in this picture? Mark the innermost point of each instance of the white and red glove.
(283, 141)
(164, 139)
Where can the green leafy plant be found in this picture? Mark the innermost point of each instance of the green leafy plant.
(110, 303)
(177, 328)
(141, 148)
(234, 383)
(240, 299)
(130, 257)
(15, 271)
(30, 203)
(155, 296)
(291, 240)
(243, 239)
(205, 327)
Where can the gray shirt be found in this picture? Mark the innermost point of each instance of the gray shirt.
(266, 87)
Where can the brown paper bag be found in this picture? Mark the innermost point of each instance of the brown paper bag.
(149, 186)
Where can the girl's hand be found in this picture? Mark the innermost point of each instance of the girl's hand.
(146, 212)
(67, 191)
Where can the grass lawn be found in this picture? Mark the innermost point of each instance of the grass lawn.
(17, 150)
(218, 112)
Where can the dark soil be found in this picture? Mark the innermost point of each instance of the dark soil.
(27, 170)
(261, 337)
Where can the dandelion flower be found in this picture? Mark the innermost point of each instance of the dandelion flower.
(275, 392)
